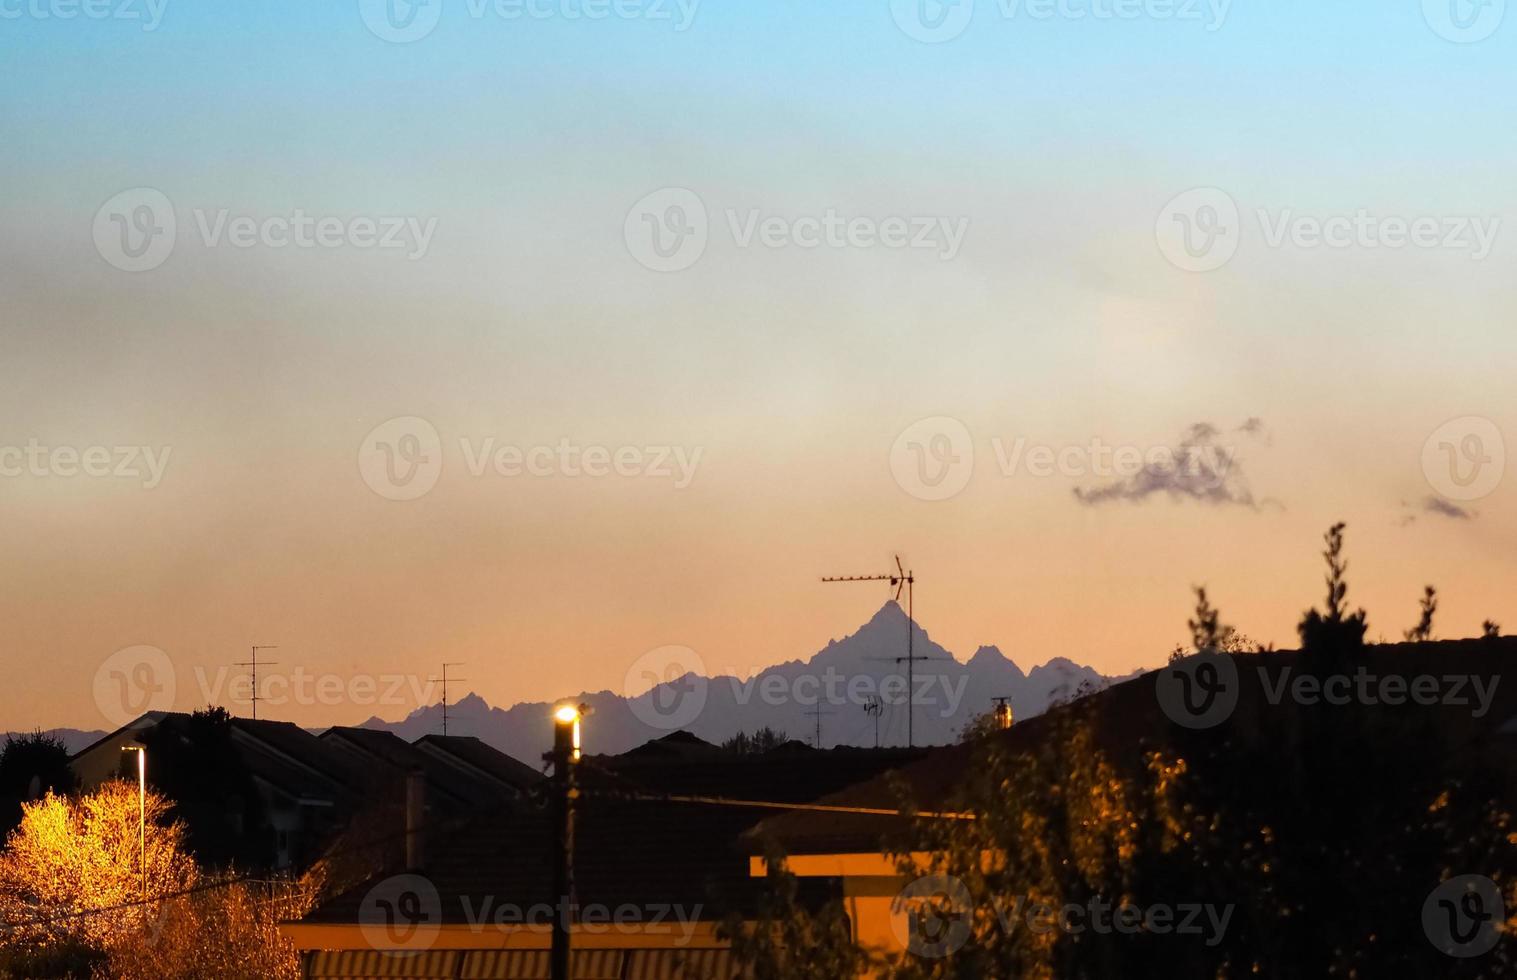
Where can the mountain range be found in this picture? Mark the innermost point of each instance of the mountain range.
(840, 681)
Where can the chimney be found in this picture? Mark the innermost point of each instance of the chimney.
(416, 815)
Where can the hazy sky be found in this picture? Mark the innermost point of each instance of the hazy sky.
(760, 405)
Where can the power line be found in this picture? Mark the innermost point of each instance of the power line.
(773, 805)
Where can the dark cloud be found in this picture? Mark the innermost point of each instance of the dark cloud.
(1199, 469)
(1437, 505)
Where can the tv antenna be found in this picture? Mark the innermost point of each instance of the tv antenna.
(817, 713)
(445, 694)
(874, 707)
(902, 580)
(253, 668)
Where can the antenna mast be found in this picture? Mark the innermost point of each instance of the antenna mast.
(874, 707)
(253, 665)
(817, 713)
(901, 579)
(445, 694)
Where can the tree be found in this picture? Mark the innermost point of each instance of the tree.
(195, 763)
(31, 767)
(1423, 631)
(73, 857)
(1206, 630)
(1335, 630)
(787, 940)
(76, 901)
(1490, 629)
(761, 741)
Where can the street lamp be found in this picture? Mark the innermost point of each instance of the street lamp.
(565, 759)
(141, 751)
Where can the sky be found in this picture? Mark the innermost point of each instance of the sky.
(537, 336)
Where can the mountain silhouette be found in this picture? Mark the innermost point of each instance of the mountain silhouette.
(840, 680)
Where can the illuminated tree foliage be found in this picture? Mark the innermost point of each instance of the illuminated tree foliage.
(75, 902)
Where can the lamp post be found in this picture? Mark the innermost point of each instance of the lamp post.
(565, 758)
(141, 812)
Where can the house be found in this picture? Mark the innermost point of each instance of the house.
(305, 790)
(660, 868)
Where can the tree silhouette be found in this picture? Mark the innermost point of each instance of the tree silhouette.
(758, 743)
(1423, 631)
(31, 766)
(1336, 629)
(1206, 631)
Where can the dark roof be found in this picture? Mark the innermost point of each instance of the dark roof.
(646, 855)
(676, 745)
(634, 846)
(470, 751)
(146, 720)
(1129, 721)
(280, 753)
(395, 757)
(292, 759)
(781, 776)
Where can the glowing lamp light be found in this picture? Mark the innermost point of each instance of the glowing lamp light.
(568, 718)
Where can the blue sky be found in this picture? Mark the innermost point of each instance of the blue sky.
(528, 142)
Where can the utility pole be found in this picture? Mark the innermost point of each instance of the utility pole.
(901, 579)
(817, 713)
(445, 694)
(253, 664)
